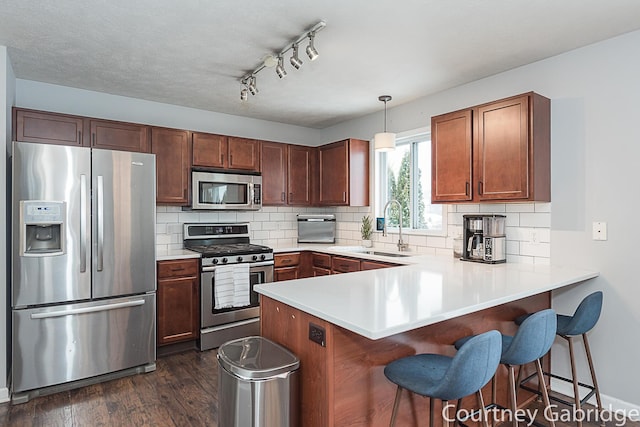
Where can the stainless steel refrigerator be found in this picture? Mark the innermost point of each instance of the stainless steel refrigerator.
(83, 265)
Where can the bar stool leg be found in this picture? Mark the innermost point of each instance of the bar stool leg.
(574, 378)
(543, 388)
(396, 403)
(593, 377)
(483, 412)
(512, 394)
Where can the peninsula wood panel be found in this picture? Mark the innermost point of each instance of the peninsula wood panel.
(344, 383)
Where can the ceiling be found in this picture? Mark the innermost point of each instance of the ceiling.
(193, 52)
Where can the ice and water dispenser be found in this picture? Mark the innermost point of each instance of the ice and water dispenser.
(42, 227)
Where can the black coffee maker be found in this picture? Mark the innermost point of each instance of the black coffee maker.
(483, 238)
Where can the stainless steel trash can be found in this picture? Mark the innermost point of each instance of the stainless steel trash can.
(257, 384)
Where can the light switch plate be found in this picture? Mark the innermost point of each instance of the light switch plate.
(599, 230)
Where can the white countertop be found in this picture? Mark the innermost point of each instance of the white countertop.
(176, 254)
(380, 303)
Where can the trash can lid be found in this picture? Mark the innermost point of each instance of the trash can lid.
(256, 358)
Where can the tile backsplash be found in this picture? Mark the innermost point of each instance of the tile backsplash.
(527, 228)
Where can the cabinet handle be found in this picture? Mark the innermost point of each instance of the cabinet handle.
(79, 137)
(221, 158)
(282, 196)
(230, 159)
(177, 269)
(344, 196)
(93, 138)
(466, 189)
(480, 187)
(286, 260)
(290, 196)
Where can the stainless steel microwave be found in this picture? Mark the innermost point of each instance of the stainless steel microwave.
(225, 191)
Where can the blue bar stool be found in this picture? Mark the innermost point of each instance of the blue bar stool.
(447, 378)
(532, 341)
(583, 320)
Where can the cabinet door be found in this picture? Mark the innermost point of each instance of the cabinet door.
(502, 150)
(451, 162)
(333, 162)
(173, 163)
(244, 154)
(178, 309)
(285, 273)
(318, 271)
(299, 175)
(209, 150)
(49, 128)
(274, 174)
(119, 136)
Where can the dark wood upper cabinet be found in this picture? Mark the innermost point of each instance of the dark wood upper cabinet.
(274, 174)
(48, 128)
(299, 175)
(499, 151)
(111, 135)
(173, 165)
(209, 150)
(344, 173)
(451, 162)
(244, 154)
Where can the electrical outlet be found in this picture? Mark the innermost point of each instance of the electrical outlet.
(317, 334)
(599, 230)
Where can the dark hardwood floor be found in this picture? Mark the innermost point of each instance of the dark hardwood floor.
(183, 391)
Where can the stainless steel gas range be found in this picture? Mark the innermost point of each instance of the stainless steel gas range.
(231, 267)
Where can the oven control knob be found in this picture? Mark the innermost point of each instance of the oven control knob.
(239, 259)
(262, 257)
(224, 260)
(215, 260)
(255, 257)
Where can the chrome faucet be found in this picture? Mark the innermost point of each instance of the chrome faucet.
(401, 245)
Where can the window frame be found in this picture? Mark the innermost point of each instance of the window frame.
(381, 179)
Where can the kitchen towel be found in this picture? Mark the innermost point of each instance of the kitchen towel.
(241, 285)
(224, 288)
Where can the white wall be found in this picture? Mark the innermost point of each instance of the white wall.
(595, 151)
(7, 99)
(62, 99)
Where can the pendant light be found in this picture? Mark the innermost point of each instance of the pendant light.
(385, 141)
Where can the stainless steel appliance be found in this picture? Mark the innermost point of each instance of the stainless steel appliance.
(225, 191)
(316, 228)
(227, 245)
(484, 238)
(84, 277)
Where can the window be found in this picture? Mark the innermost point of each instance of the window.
(405, 175)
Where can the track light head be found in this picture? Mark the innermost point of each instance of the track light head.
(280, 71)
(244, 94)
(252, 85)
(312, 52)
(295, 60)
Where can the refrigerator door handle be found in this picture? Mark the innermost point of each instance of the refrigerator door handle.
(100, 219)
(104, 307)
(83, 223)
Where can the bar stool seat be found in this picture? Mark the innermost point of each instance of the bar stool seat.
(447, 378)
(530, 343)
(583, 320)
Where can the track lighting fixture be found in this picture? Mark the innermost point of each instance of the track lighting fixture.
(280, 71)
(295, 60)
(384, 141)
(312, 52)
(270, 60)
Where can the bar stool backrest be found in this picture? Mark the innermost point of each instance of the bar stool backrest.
(472, 367)
(533, 339)
(586, 315)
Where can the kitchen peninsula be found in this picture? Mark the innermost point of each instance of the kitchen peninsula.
(362, 321)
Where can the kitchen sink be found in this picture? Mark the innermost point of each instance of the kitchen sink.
(391, 254)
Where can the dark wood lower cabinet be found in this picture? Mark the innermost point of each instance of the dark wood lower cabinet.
(178, 301)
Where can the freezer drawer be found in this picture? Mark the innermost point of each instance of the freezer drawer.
(54, 345)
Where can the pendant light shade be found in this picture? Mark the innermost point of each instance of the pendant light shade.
(384, 141)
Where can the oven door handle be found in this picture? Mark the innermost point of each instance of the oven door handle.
(254, 264)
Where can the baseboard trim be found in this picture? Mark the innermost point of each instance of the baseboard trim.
(608, 402)
(4, 395)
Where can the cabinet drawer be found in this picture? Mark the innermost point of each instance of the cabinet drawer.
(178, 268)
(345, 265)
(318, 271)
(286, 259)
(374, 265)
(321, 260)
(286, 273)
